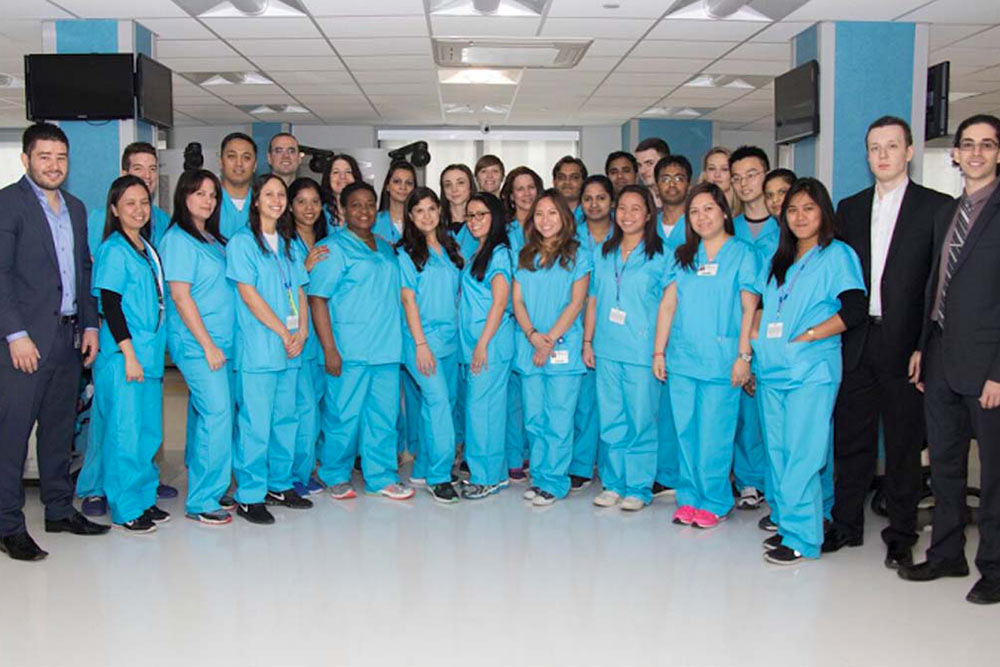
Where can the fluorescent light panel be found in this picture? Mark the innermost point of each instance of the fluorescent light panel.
(492, 77)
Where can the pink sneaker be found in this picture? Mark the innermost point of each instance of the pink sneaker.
(684, 515)
(705, 519)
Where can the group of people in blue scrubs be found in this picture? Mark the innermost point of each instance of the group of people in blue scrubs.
(566, 334)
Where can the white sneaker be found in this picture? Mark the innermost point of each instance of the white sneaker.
(397, 491)
(750, 498)
(543, 498)
(607, 498)
(418, 481)
(530, 493)
(633, 504)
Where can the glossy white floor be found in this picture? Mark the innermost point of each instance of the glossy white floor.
(494, 582)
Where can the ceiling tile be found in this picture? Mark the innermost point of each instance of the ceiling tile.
(596, 64)
(380, 8)
(322, 88)
(663, 65)
(393, 76)
(32, 9)
(282, 47)
(715, 31)
(584, 27)
(966, 57)
(374, 26)
(263, 28)
(391, 47)
(234, 64)
(986, 39)
(674, 48)
(357, 63)
(943, 35)
(296, 63)
(950, 11)
(610, 47)
(400, 89)
(120, 9)
(755, 67)
(853, 10)
(599, 9)
(782, 32)
(178, 28)
(988, 74)
(761, 51)
(338, 75)
(193, 48)
(483, 26)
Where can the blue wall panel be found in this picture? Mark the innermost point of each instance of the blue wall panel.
(690, 138)
(806, 49)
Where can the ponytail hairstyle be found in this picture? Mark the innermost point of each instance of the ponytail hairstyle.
(650, 236)
(189, 183)
(112, 223)
(687, 251)
(285, 225)
(496, 238)
(784, 256)
(563, 247)
(414, 242)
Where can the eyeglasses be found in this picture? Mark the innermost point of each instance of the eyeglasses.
(675, 178)
(749, 176)
(984, 146)
(479, 216)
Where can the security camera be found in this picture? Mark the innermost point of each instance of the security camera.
(484, 128)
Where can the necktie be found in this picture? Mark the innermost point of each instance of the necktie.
(955, 245)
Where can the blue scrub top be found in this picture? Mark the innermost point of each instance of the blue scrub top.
(808, 297)
(587, 241)
(705, 333)
(475, 299)
(312, 350)
(515, 234)
(95, 227)
(677, 235)
(766, 242)
(273, 275)
(436, 290)
(467, 243)
(578, 213)
(203, 267)
(546, 294)
(232, 220)
(138, 278)
(642, 281)
(362, 287)
(383, 227)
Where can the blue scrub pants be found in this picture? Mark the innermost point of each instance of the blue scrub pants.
(461, 389)
(90, 481)
(308, 391)
(667, 457)
(628, 399)
(549, 411)
(132, 432)
(516, 438)
(588, 448)
(797, 426)
(408, 420)
(360, 410)
(486, 418)
(268, 420)
(208, 453)
(750, 456)
(705, 414)
(436, 394)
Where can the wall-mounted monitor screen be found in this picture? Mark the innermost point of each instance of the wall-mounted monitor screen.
(90, 86)
(154, 92)
(796, 103)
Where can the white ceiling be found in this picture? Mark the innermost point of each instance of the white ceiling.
(348, 61)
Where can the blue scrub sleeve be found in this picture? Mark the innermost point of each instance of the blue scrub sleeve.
(325, 275)
(583, 264)
(845, 272)
(110, 272)
(407, 271)
(181, 262)
(240, 264)
(748, 274)
(499, 264)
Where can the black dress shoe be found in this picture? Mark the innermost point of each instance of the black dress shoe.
(929, 571)
(986, 591)
(76, 524)
(835, 540)
(22, 547)
(898, 556)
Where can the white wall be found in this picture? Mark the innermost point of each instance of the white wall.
(209, 137)
(335, 136)
(939, 173)
(733, 139)
(11, 169)
(596, 142)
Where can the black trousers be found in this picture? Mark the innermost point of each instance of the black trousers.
(952, 419)
(868, 393)
(47, 396)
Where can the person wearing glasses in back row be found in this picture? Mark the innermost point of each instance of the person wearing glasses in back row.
(284, 156)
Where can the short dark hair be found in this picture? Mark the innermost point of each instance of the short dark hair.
(41, 132)
(889, 121)
(137, 148)
(233, 136)
(784, 256)
(270, 144)
(678, 160)
(655, 143)
(356, 186)
(618, 155)
(981, 118)
(787, 174)
(489, 161)
(744, 152)
(568, 159)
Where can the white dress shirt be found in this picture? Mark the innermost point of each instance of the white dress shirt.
(885, 211)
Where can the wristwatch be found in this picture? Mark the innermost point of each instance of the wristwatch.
(746, 357)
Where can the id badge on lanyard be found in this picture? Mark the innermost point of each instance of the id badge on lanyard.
(559, 356)
(292, 321)
(776, 329)
(617, 315)
(709, 269)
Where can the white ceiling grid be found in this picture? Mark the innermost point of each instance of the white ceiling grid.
(370, 62)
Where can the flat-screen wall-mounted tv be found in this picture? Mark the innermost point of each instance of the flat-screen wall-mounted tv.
(154, 92)
(796, 103)
(86, 86)
(936, 123)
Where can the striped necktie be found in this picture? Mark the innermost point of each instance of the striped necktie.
(955, 245)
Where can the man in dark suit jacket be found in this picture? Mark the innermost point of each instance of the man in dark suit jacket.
(959, 362)
(48, 320)
(890, 225)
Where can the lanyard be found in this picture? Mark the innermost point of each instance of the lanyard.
(620, 274)
(785, 290)
(286, 281)
(153, 262)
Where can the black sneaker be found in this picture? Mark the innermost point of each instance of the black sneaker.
(783, 555)
(577, 483)
(772, 542)
(139, 526)
(156, 515)
(255, 513)
(443, 493)
(227, 502)
(766, 524)
(660, 491)
(288, 498)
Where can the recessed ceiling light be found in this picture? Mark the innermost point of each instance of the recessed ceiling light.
(676, 112)
(496, 77)
(10, 81)
(271, 108)
(727, 81)
(498, 52)
(954, 97)
(228, 78)
(487, 7)
(242, 8)
(714, 10)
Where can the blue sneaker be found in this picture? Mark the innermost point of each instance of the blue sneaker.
(166, 492)
(315, 486)
(95, 506)
(300, 488)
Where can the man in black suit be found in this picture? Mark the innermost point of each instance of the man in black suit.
(48, 321)
(959, 363)
(890, 225)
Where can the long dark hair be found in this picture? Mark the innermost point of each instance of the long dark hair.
(285, 225)
(446, 221)
(320, 229)
(606, 185)
(413, 241)
(496, 237)
(686, 252)
(784, 256)
(507, 191)
(383, 200)
(566, 243)
(650, 237)
(328, 195)
(189, 183)
(111, 222)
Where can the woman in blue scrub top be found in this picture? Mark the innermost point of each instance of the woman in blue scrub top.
(354, 296)
(596, 198)
(626, 286)
(550, 291)
(340, 171)
(812, 291)
(487, 343)
(201, 316)
(430, 263)
(128, 374)
(272, 328)
(306, 205)
(399, 183)
(704, 325)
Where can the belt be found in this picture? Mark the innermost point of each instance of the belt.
(875, 319)
(67, 319)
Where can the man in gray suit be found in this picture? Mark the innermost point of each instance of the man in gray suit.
(48, 328)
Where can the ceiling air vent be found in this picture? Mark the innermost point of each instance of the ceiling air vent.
(491, 52)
